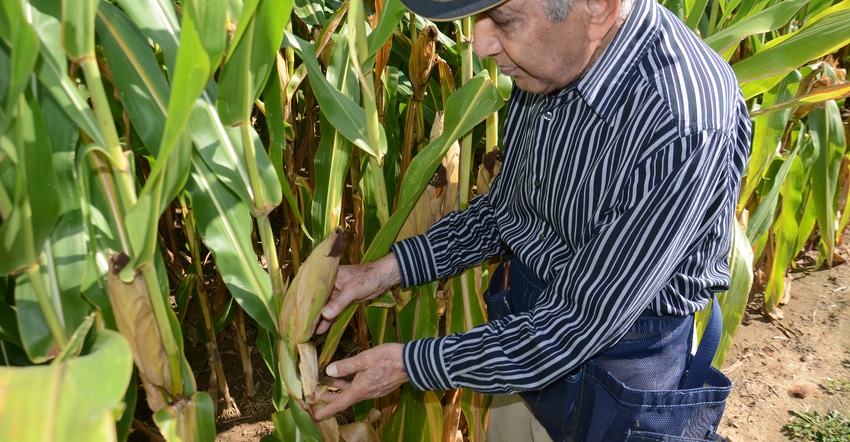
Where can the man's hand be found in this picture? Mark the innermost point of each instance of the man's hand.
(377, 372)
(359, 283)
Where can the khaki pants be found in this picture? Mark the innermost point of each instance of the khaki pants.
(512, 421)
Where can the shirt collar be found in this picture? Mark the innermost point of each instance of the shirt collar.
(601, 83)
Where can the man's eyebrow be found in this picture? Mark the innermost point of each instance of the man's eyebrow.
(497, 11)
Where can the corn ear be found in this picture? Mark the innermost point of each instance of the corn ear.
(288, 370)
(358, 432)
(310, 289)
(308, 366)
(422, 59)
(487, 171)
(329, 429)
(451, 164)
(135, 319)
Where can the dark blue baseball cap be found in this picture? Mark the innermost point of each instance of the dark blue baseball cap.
(447, 10)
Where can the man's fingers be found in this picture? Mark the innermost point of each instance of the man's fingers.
(324, 325)
(337, 403)
(345, 367)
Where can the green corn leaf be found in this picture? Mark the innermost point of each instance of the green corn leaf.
(733, 302)
(419, 417)
(310, 12)
(696, 11)
(250, 63)
(196, 410)
(50, 71)
(78, 28)
(765, 21)
(464, 109)
(170, 167)
(211, 21)
(9, 325)
(86, 393)
(821, 35)
(273, 97)
(466, 302)
(158, 21)
(224, 222)
(762, 218)
(246, 16)
(307, 430)
(333, 158)
(190, 77)
(767, 133)
(827, 134)
(35, 207)
(785, 230)
(145, 96)
(418, 319)
(24, 54)
(346, 115)
(38, 341)
(144, 91)
(168, 176)
(66, 259)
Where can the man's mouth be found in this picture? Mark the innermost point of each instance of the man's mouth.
(509, 70)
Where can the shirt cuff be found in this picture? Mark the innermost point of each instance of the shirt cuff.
(415, 261)
(424, 364)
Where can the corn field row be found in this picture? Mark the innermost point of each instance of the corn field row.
(173, 166)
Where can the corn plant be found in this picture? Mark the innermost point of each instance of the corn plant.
(287, 137)
(160, 114)
(782, 53)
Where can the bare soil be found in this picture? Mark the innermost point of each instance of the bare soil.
(780, 366)
(776, 366)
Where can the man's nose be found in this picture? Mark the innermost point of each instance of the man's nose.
(485, 43)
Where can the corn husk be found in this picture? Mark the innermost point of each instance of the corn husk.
(134, 316)
(422, 59)
(309, 291)
(487, 171)
(308, 366)
(451, 163)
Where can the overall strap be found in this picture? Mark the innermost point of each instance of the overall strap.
(707, 347)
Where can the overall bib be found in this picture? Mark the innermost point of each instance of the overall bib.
(647, 387)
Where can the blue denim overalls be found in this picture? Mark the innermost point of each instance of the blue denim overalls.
(647, 387)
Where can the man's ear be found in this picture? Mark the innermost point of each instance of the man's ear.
(603, 15)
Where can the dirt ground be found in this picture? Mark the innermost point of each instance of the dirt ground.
(775, 367)
(784, 366)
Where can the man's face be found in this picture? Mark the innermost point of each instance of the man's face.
(542, 56)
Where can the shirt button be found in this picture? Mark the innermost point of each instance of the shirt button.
(547, 116)
(537, 183)
(541, 237)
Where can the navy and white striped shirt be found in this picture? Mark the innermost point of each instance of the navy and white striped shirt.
(619, 192)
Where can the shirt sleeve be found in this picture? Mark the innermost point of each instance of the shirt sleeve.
(455, 242)
(605, 286)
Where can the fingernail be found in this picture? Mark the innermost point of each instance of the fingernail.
(331, 370)
(326, 312)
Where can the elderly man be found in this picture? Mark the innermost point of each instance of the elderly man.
(624, 145)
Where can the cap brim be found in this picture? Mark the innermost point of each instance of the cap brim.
(447, 10)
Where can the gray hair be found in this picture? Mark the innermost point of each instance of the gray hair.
(557, 9)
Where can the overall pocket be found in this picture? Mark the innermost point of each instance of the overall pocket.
(605, 409)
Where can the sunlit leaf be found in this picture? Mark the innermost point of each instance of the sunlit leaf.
(346, 115)
(225, 224)
(85, 394)
(78, 27)
(820, 36)
(765, 21)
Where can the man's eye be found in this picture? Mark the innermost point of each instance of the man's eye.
(501, 23)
